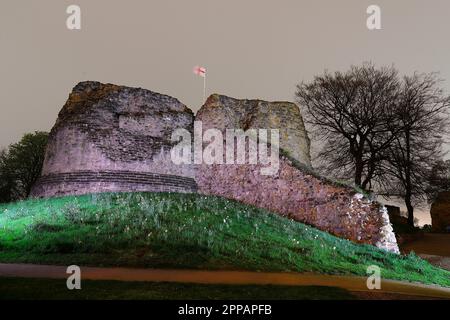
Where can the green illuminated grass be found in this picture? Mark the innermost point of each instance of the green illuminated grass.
(186, 231)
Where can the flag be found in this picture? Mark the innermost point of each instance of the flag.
(200, 71)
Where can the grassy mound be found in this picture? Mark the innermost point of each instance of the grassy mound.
(186, 231)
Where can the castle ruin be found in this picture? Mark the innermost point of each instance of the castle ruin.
(110, 138)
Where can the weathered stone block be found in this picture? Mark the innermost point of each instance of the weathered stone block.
(440, 213)
(222, 112)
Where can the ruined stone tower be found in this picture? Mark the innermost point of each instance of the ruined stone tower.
(114, 138)
(222, 112)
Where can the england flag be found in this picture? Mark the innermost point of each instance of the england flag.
(200, 71)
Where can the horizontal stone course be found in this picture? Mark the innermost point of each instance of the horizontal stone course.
(88, 181)
(114, 138)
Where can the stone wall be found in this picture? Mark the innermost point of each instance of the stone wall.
(393, 211)
(440, 213)
(222, 112)
(396, 217)
(295, 191)
(81, 182)
(109, 128)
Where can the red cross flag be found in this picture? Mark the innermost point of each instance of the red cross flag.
(200, 71)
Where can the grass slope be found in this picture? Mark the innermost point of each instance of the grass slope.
(186, 231)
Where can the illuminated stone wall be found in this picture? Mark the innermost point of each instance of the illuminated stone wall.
(222, 112)
(105, 129)
(295, 191)
(297, 194)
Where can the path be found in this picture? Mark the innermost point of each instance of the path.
(433, 247)
(437, 244)
(354, 284)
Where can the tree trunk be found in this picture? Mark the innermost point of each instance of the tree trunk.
(408, 182)
(359, 163)
(410, 209)
(358, 173)
(368, 180)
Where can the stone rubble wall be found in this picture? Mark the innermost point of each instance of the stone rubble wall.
(222, 112)
(71, 150)
(298, 195)
(82, 182)
(294, 191)
(110, 138)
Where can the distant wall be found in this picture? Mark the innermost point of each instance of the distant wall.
(440, 213)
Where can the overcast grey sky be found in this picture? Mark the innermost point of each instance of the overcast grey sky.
(252, 48)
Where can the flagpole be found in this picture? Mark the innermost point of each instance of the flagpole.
(201, 71)
(204, 89)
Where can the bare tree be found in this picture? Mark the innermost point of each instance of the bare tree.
(384, 132)
(422, 116)
(350, 116)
